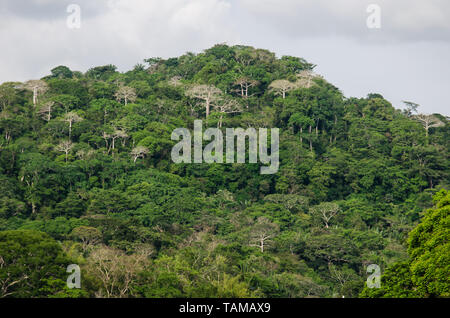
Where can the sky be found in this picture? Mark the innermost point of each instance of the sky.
(406, 58)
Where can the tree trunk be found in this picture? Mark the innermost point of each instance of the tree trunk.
(34, 96)
(310, 141)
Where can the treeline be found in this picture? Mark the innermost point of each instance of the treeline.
(86, 177)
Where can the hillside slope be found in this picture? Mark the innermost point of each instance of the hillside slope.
(86, 159)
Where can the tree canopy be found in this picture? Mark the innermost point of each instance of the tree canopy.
(86, 178)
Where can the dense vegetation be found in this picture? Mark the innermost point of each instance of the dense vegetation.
(86, 177)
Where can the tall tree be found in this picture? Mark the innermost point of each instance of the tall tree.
(71, 118)
(38, 87)
(227, 106)
(428, 121)
(305, 78)
(7, 94)
(326, 211)
(245, 83)
(263, 232)
(65, 146)
(281, 87)
(126, 94)
(139, 152)
(209, 94)
(46, 110)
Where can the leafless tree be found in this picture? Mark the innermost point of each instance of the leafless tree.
(428, 121)
(281, 87)
(139, 152)
(305, 78)
(46, 111)
(262, 233)
(65, 146)
(126, 94)
(326, 211)
(209, 94)
(116, 270)
(38, 87)
(245, 84)
(227, 106)
(70, 118)
(118, 133)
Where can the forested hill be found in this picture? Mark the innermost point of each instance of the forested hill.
(85, 158)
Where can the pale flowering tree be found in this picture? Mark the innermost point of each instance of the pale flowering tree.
(428, 121)
(326, 211)
(281, 87)
(209, 94)
(65, 146)
(116, 270)
(139, 152)
(38, 87)
(46, 111)
(305, 78)
(263, 232)
(71, 118)
(226, 106)
(116, 134)
(126, 94)
(244, 83)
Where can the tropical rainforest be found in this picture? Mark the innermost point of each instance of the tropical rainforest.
(86, 178)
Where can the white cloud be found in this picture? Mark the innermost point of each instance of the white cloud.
(122, 33)
(402, 20)
(405, 59)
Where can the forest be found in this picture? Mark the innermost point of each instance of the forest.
(86, 178)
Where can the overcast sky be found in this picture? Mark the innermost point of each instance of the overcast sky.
(408, 58)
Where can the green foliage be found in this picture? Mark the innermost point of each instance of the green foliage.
(427, 273)
(355, 176)
(30, 263)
